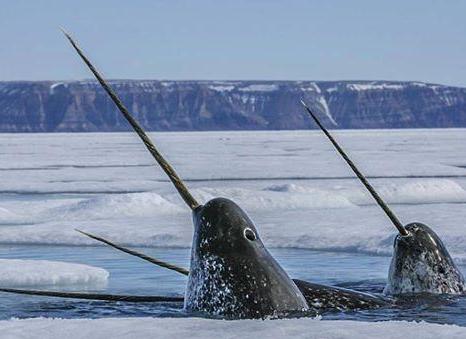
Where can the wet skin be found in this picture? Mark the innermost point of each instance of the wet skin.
(421, 264)
(322, 298)
(232, 274)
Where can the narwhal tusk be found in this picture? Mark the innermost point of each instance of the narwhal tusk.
(175, 179)
(95, 296)
(361, 177)
(137, 254)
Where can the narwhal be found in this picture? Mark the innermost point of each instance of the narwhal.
(320, 298)
(232, 274)
(421, 262)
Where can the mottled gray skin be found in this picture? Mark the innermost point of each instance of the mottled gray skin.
(422, 264)
(232, 274)
(322, 298)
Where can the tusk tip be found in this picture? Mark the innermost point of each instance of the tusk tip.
(82, 232)
(64, 32)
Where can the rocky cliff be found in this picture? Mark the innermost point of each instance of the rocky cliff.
(219, 105)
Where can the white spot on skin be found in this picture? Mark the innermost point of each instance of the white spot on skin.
(208, 292)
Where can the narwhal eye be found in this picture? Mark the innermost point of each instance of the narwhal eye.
(249, 234)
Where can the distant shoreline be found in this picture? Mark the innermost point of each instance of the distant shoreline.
(82, 106)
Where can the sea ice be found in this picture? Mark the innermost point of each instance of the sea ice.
(293, 184)
(33, 273)
(208, 328)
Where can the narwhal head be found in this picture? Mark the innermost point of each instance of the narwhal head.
(232, 274)
(421, 264)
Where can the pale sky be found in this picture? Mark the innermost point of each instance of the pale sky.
(254, 39)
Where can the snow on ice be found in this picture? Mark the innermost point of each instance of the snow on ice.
(208, 328)
(293, 185)
(33, 273)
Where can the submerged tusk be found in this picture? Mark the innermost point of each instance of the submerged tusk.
(95, 296)
(175, 179)
(137, 254)
(361, 177)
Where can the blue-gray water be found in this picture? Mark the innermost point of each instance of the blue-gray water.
(130, 275)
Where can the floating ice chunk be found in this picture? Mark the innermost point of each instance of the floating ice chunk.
(15, 273)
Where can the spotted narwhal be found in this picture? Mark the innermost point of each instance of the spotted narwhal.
(421, 262)
(232, 274)
(320, 298)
